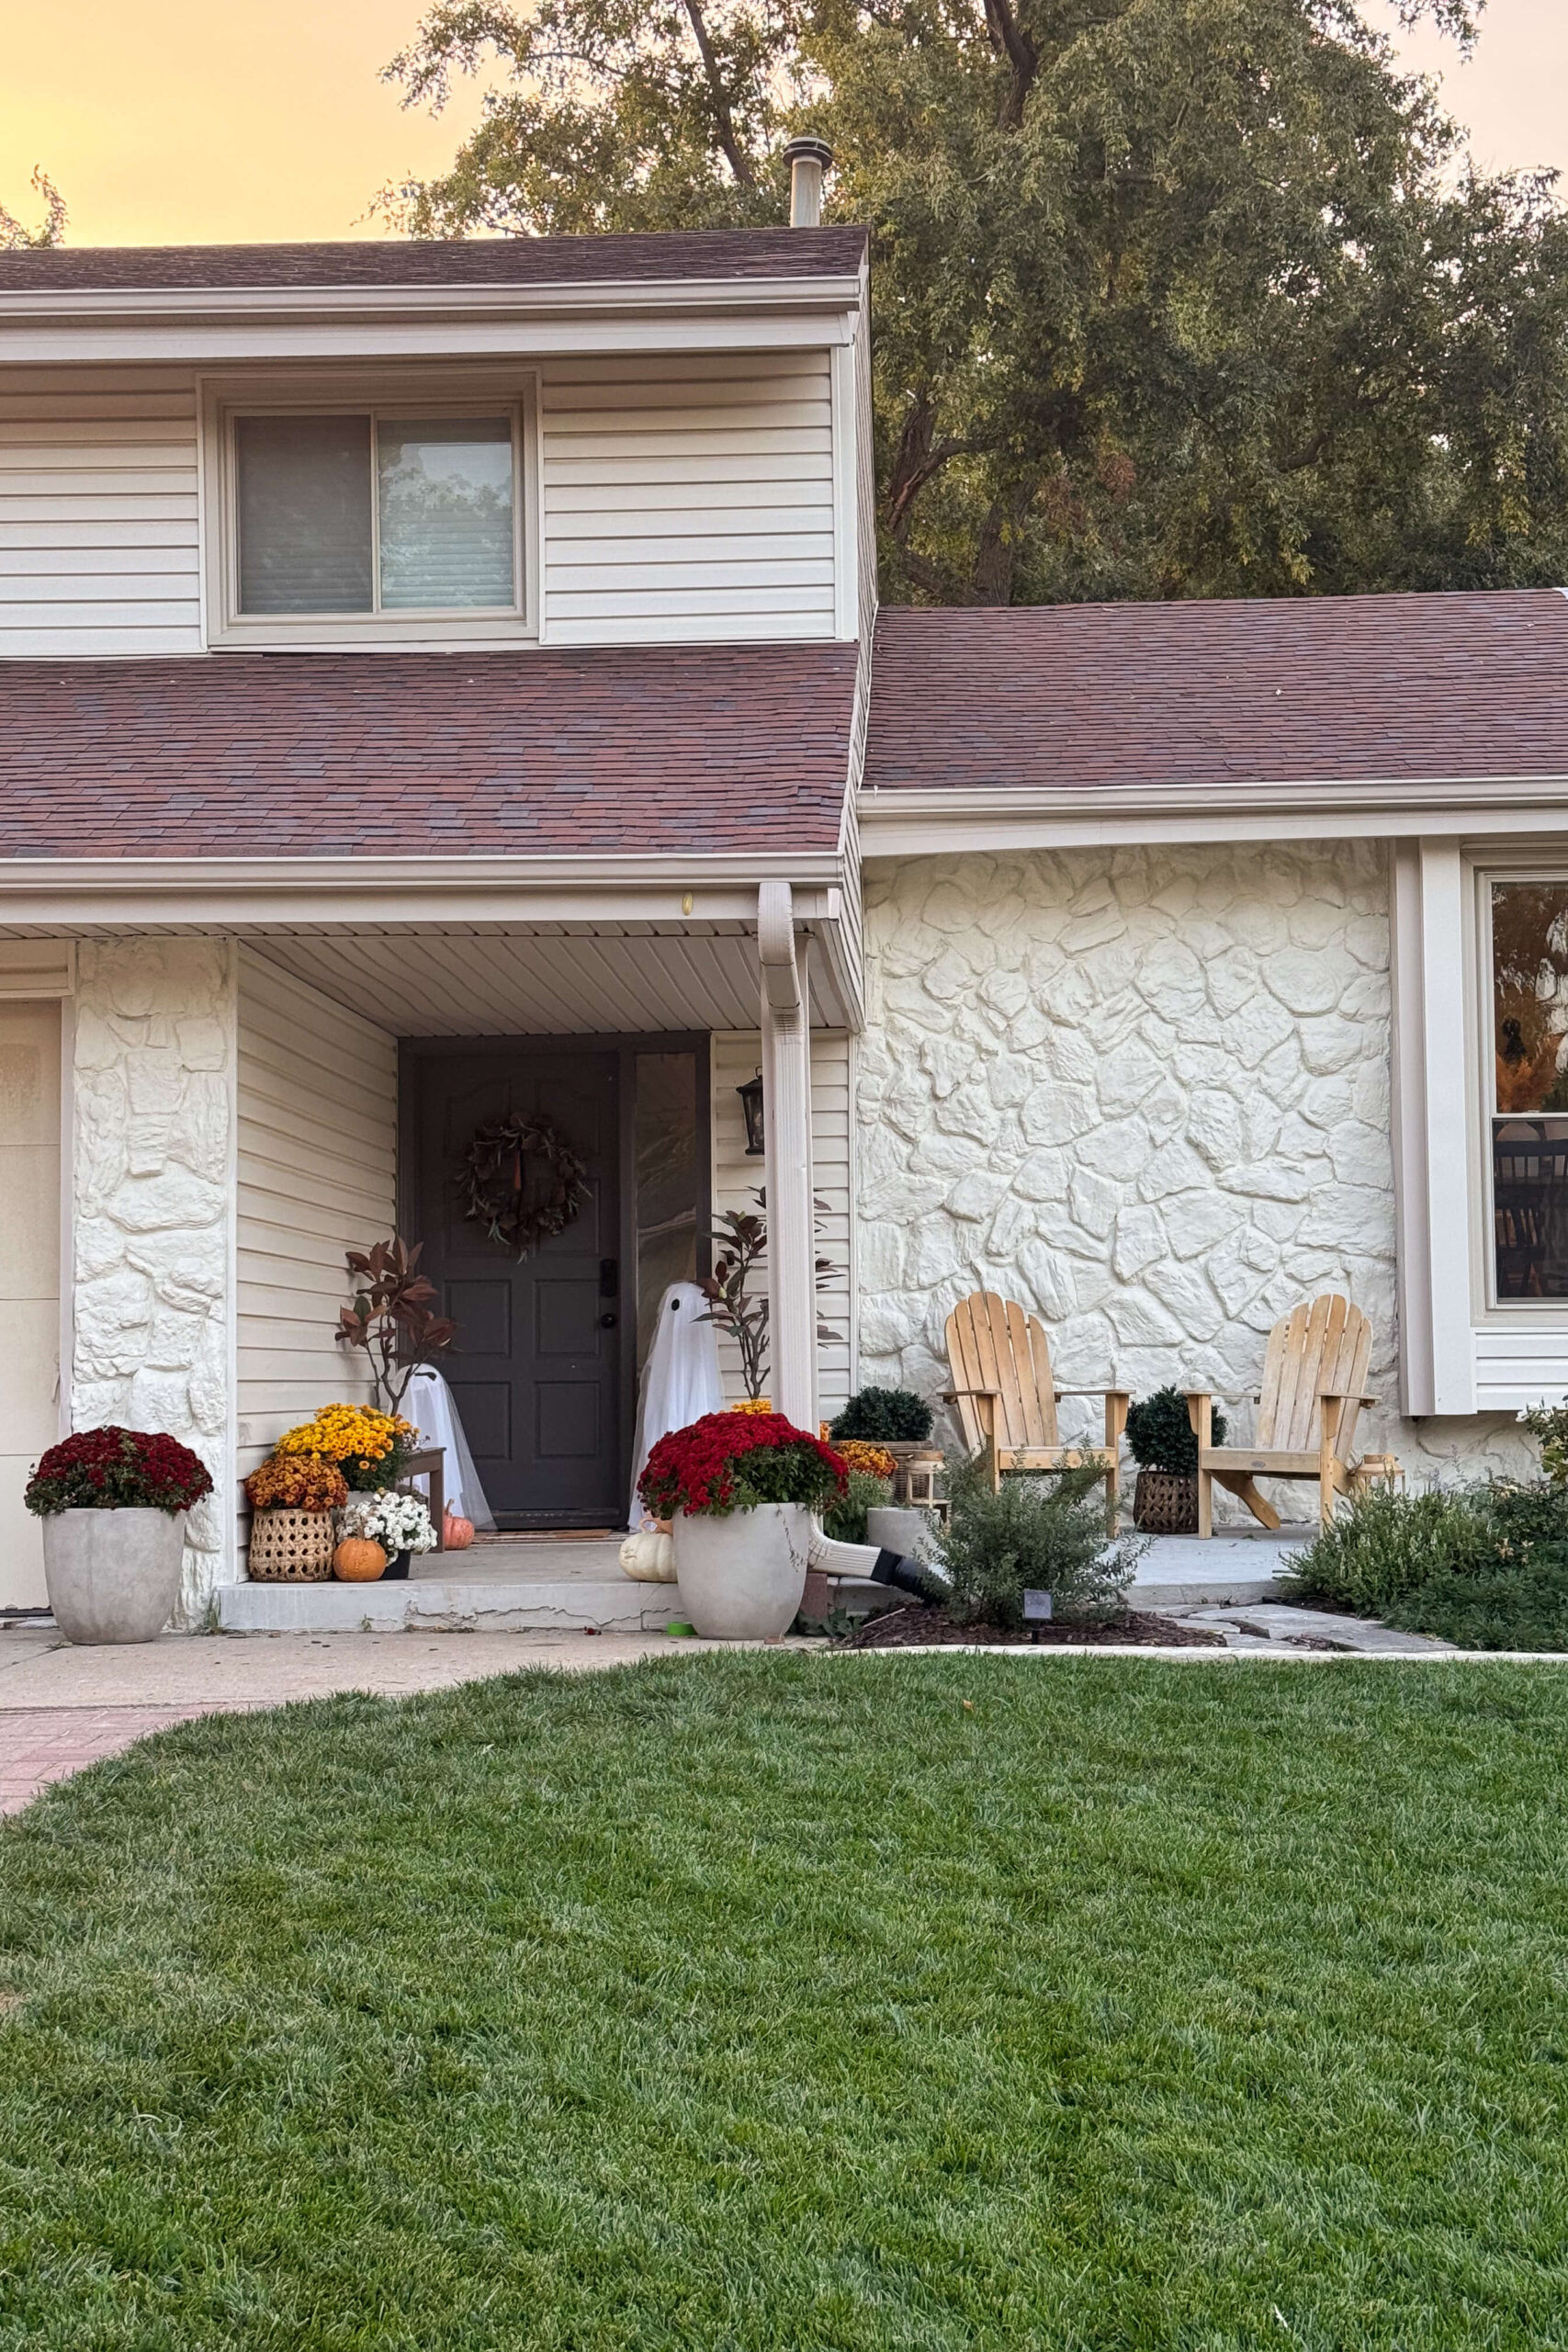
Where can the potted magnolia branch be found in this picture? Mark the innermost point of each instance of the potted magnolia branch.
(393, 1318)
(734, 1308)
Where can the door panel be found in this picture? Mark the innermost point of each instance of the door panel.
(536, 1370)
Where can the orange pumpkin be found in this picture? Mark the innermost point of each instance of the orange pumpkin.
(456, 1534)
(358, 1560)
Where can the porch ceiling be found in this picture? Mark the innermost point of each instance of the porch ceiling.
(552, 980)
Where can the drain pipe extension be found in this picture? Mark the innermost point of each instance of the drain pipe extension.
(872, 1561)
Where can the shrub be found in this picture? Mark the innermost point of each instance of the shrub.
(116, 1469)
(1485, 1567)
(1162, 1437)
(892, 1415)
(1035, 1534)
(733, 1461)
(845, 1520)
(297, 1482)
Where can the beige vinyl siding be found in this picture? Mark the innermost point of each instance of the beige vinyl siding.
(318, 1110)
(736, 1178)
(98, 524)
(687, 498)
(30, 1280)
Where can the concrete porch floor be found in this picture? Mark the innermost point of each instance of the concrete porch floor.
(570, 1584)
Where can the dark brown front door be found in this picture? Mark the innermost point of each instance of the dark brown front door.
(535, 1371)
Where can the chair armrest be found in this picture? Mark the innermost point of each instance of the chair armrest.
(1343, 1396)
(950, 1395)
(1227, 1396)
(1093, 1392)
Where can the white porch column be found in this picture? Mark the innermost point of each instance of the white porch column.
(786, 1111)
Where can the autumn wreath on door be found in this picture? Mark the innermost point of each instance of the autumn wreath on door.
(522, 1181)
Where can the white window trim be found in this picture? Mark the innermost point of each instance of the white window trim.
(433, 392)
(1461, 1349)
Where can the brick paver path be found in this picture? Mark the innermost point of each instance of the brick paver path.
(42, 1744)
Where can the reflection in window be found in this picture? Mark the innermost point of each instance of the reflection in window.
(446, 513)
(666, 1183)
(1530, 1145)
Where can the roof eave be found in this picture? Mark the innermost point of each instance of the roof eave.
(923, 822)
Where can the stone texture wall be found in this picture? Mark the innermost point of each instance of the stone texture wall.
(154, 1090)
(1146, 1093)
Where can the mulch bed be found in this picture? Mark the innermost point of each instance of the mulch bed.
(917, 1626)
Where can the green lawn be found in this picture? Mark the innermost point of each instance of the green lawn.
(797, 2001)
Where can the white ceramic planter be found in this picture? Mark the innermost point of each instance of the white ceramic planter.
(741, 1576)
(113, 1576)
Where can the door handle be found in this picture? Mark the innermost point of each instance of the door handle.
(608, 1322)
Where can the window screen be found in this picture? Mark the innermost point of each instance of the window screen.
(305, 536)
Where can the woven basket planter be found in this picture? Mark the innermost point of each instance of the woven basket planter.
(1164, 1503)
(291, 1546)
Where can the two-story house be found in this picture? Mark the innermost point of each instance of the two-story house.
(443, 680)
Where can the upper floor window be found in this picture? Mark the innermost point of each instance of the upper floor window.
(375, 512)
(1529, 1114)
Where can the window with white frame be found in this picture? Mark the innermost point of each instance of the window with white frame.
(343, 517)
(1528, 1112)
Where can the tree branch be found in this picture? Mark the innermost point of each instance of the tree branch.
(735, 155)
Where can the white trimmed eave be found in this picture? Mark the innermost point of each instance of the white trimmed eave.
(925, 822)
(214, 326)
(625, 898)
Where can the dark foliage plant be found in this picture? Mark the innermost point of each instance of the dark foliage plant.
(117, 1469)
(1484, 1566)
(1162, 1437)
(893, 1416)
(1041, 1534)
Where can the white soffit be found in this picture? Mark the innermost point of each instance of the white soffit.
(548, 982)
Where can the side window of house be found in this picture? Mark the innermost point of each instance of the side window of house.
(376, 513)
(1529, 1105)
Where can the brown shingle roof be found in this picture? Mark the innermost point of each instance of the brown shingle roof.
(410, 755)
(456, 262)
(1075, 696)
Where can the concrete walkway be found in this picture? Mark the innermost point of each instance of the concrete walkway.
(62, 1708)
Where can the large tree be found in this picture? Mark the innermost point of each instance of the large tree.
(1172, 297)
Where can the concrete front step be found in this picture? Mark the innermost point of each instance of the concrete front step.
(1218, 1571)
(450, 1604)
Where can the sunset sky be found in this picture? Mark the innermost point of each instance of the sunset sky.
(192, 120)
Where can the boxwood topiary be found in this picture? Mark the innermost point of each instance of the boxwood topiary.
(1162, 1437)
(896, 1416)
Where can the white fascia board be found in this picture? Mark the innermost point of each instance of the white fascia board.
(834, 292)
(239, 894)
(502, 321)
(925, 822)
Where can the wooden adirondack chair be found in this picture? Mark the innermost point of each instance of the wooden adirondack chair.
(1314, 1373)
(1006, 1399)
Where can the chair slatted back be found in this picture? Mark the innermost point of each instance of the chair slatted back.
(992, 1343)
(1318, 1349)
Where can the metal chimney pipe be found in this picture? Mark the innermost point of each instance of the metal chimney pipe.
(807, 160)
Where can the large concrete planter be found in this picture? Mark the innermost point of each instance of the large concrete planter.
(741, 1575)
(113, 1576)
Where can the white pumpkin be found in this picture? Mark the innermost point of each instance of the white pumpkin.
(649, 1556)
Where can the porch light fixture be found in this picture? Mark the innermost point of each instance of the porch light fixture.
(751, 1103)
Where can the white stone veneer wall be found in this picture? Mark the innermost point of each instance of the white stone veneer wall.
(1146, 1093)
(153, 1210)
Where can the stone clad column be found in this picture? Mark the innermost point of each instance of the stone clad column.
(786, 1110)
(153, 1213)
